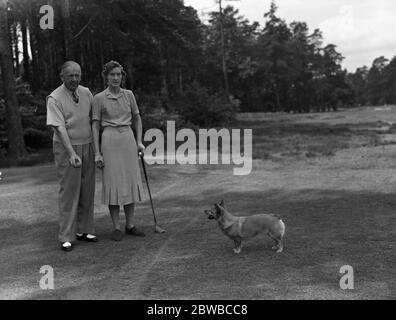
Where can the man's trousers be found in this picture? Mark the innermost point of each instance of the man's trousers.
(77, 191)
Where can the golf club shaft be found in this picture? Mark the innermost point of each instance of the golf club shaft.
(148, 186)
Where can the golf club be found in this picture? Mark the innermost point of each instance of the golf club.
(158, 229)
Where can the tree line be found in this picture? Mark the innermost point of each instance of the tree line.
(375, 85)
(203, 72)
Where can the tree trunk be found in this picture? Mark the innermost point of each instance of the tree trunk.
(223, 54)
(81, 48)
(277, 99)
(129, 75)
(67, 32)
(51, 66)
(33, 22)
(180, 81)
(15, 45)
(101, 59)
(26, 67)
(163, 62)
(16, 145)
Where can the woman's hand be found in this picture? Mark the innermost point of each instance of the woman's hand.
(99, 161)
(140, 148)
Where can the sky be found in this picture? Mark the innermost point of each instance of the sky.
(362, 30)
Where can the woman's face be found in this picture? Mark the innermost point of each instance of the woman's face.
(114, 77)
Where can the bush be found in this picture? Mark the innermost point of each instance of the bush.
(37, 139)
(199, 107)
(149, 103)
(39, 157)
(158, 121)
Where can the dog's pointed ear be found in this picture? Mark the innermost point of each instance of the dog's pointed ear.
(219, 207)
(222, 203)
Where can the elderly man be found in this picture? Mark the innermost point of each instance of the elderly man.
(69, 114)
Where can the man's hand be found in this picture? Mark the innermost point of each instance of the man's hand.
(75, 160)
(99, 161)
(140, 148)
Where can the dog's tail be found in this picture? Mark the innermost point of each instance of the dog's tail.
(283, 228)
(282, 224)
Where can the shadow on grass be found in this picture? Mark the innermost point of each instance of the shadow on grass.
(194, 260)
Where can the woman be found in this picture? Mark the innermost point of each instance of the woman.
(115, 109)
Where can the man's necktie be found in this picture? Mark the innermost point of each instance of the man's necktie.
(75, 96)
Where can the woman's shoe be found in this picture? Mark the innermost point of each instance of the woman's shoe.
(117, 235)
(87, 237)
(134, 232)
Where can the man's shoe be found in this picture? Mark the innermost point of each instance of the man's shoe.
(134, 232)
(87, 237)
(117, 235)
(66, 246)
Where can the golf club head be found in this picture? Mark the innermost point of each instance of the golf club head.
(158, 229)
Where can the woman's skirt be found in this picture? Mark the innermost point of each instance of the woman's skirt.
(121, 183)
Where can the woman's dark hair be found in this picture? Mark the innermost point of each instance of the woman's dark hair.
(110, 66)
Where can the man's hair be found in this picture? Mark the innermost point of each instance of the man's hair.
(67, 64)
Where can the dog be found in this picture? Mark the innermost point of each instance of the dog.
(238, 228)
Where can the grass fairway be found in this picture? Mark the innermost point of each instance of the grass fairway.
(330, 176)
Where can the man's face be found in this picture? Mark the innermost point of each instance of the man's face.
(71, 77)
